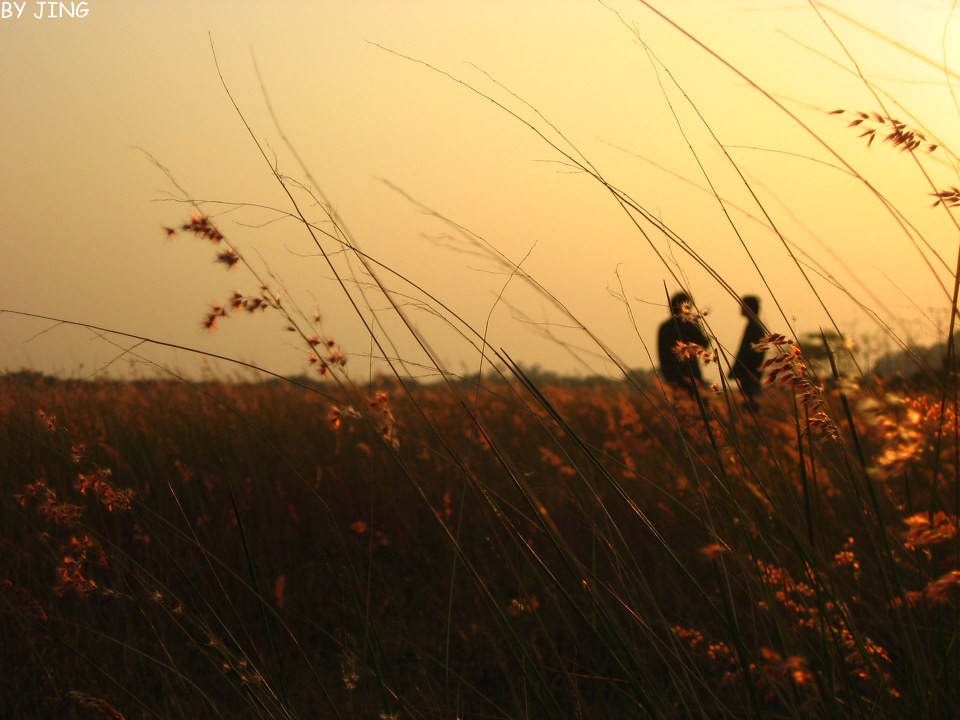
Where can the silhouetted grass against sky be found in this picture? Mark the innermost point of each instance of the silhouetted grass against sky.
(389, 107)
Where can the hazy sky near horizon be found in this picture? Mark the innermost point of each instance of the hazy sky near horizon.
(427, 126)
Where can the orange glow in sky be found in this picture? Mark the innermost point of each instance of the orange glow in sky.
(437, 131)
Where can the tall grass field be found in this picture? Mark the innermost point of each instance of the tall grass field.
(501, 544)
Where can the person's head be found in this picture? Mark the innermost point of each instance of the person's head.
(678, 301)
(749, 304)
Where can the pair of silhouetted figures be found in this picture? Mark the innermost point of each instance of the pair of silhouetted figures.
(681, 342)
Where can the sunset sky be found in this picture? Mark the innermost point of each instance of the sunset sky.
(427, 126)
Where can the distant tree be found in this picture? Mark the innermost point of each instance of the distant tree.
(818, 347)
(915, 360)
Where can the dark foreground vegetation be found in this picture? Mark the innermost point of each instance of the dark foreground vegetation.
(558, 550)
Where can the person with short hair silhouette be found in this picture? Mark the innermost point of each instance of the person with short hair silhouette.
(679, 365)
(746, 367)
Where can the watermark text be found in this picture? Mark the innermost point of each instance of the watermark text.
(45, 10)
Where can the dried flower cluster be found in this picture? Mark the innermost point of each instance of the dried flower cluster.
(689, 314)
(380, 413)
(45, 500)
(894, 131)
(787, 368)
(333, 357)
(254, 303)
(78, 550)
(387, 425)
(847, 558)
(337, 414)
(238, 302)
(926, 530)
(949, 197)
(773, 672)
(777, 671)
(717, 651)
(694, 351)
(201, 226)
(811, 613)
(96, 483)
(79, 554)
(91, 702)
(941, 591)
(235, 666)
(898, 428)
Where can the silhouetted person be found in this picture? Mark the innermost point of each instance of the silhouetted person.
(746, 366)
(682, 371)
